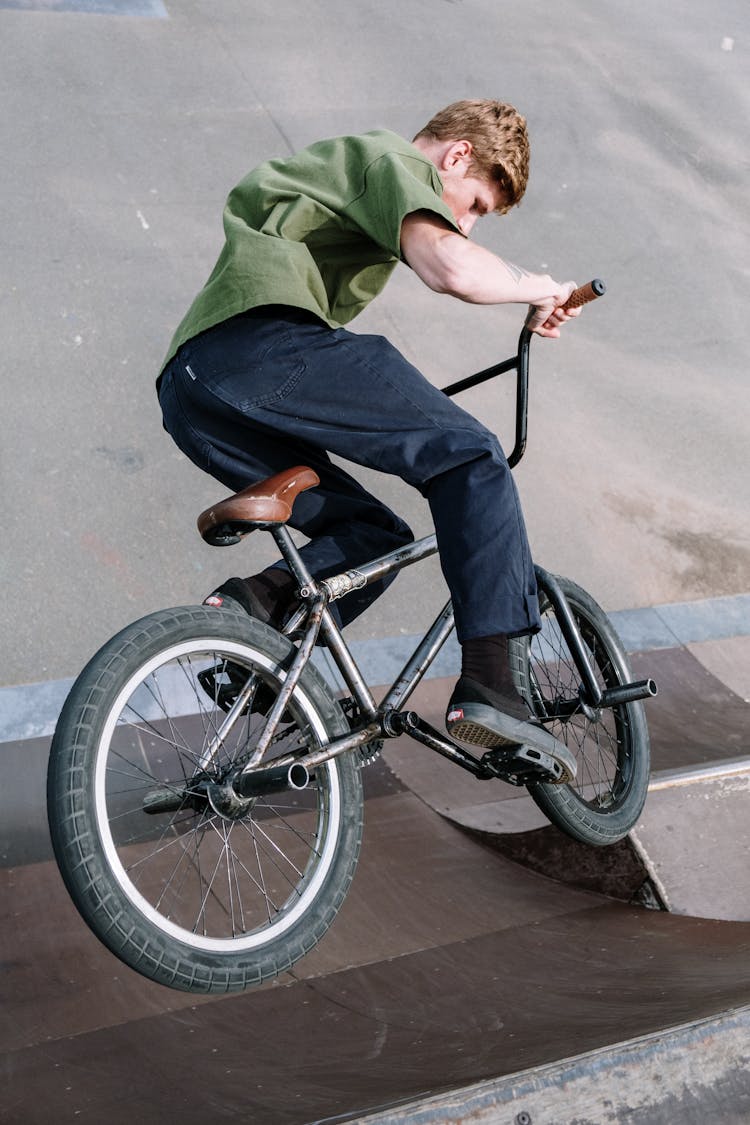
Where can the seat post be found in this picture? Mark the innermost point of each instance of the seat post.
(291, 555)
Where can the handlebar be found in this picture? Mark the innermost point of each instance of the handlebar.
(586, 293)
(520, 362)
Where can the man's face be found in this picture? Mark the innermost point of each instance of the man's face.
(469, 196)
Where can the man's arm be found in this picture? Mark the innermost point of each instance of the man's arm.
(449, 263)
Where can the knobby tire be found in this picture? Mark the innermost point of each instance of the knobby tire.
(611, 745)
(188, 898)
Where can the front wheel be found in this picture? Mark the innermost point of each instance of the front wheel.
(611, 745)
(196, 899)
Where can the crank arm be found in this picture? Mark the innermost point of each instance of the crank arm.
(409, 722)
(517, 764)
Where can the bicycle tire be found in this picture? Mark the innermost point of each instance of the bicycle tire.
(611, 745)
(180, 894)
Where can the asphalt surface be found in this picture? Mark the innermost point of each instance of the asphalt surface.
(121, 135)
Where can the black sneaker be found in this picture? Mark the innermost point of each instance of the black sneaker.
(482, 717)
(224, 682)
(234, 594)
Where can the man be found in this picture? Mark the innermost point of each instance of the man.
(262, 375)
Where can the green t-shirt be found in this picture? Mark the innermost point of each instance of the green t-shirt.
(319, 231)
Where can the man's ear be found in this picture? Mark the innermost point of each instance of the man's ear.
(457, 153)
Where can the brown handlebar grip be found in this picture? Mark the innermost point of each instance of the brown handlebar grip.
(585, 293)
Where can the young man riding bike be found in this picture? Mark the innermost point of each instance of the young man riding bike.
(262, 375)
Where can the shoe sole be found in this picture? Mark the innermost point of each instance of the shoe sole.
(483, 726)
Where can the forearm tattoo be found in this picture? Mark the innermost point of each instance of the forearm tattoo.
(516, 272)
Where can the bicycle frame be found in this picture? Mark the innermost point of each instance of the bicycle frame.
(387, 719)
(184, 723)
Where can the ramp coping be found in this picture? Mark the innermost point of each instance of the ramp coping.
(679, 1074)
(670, 779)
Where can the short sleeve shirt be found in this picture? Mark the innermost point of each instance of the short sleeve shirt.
(318, 231)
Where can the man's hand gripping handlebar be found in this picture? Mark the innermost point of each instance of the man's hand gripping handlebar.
(544, 322)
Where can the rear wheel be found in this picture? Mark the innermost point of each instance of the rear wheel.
(611, 745)
(197, 899)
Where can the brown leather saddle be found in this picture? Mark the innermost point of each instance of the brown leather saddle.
(265, 504)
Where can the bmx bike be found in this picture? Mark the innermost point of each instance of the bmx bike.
(204, 788)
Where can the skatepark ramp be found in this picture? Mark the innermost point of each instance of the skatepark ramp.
(687, 1075)
(480, 969)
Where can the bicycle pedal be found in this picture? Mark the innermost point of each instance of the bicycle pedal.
(224, 682)
(522, 764)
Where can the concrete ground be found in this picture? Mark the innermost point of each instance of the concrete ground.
(121, 135)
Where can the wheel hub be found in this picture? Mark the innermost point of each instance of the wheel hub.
(593, 714)
(226, 802)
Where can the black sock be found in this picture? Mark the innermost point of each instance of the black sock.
(485, 660)
(274, 588)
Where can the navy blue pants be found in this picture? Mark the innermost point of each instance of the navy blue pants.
(276, 387)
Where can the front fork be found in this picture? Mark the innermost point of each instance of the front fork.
(592, 696)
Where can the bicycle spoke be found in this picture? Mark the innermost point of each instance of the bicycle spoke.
(192, 888)
(555, 686)
(211, 876)
(251, 828)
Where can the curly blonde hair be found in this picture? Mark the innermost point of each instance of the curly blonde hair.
(497, 132)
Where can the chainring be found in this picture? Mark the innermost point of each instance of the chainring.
(363, 755)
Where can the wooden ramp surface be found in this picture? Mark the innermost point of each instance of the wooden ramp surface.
(451, 963)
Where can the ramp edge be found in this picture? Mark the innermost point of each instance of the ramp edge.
(691, 1073)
